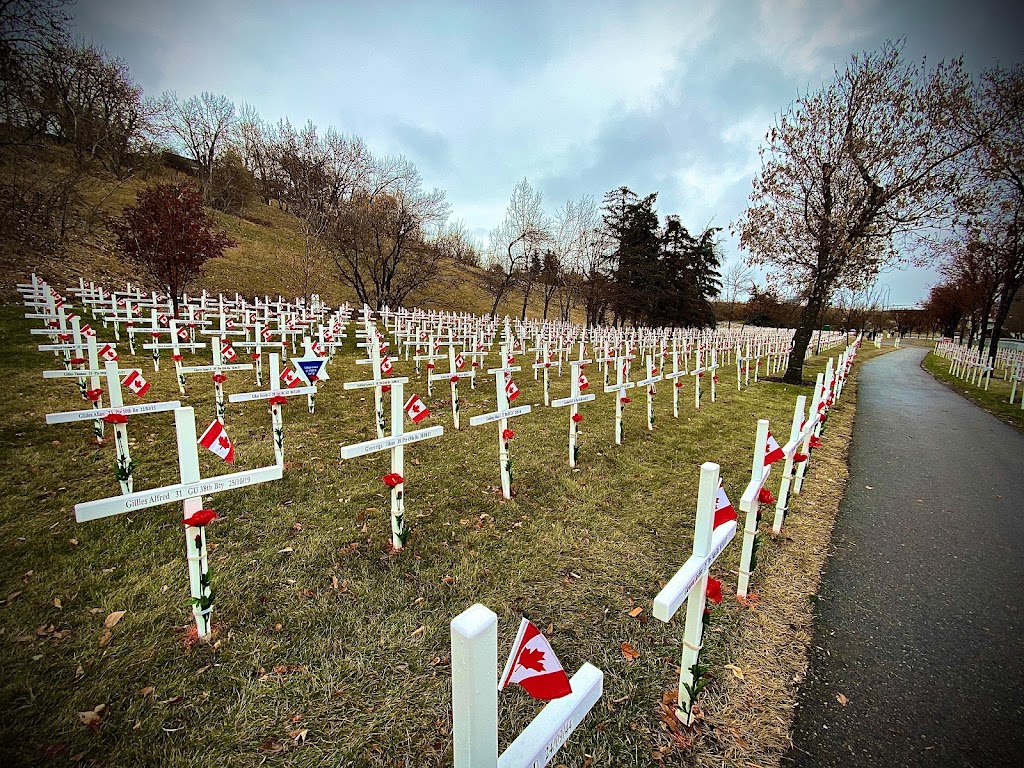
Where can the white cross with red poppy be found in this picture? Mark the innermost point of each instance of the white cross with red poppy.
(501, 415)
(691, 585)
(576, 396)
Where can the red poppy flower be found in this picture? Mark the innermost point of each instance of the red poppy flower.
(547, 365)
(700, 375)
(155, 335)
(799, 457)
(816, 441)
(714, 590)
(219, 378)
(278, 400)
(476, 364)
(507, 434)
(94, 394)
(393, 480)
(255, 355)
(176, 358)
(115, 418)
(386, 388)
(764, 496)
(454, 379)
(679, 385)
(64, 336)
(430, 366)
(200, 518)
(52, 323)
(577, 417)
(625, 400)
(714, 379)
(76, 360)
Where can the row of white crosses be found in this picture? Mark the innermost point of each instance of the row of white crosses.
(967, 362)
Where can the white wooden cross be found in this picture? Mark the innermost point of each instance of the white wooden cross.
(311, 367)
(374, 345)
(276, 398)
(800, 432)
(689, 586)
(261, 340)
(218, 370)
(576, 396)
(396, 444)
(543, 364)
(750, 504)
(619, 388)
(125, 466)
(652, 378)
(190, 491)
(94, 393)
(429, 358)
(474, 635)
(699, 371)
(503, 413)
(674, 377)
(179, 341)
(453, 375)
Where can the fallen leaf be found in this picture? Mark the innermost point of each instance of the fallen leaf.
(285, 550)
(73, 542)
(11, 597)
(300, 735)
(419, 630)
(92, 718)
(105, 638)
(113, 618)
(736, 671)
(636, 612)
(629, 652)
(79, 673)
(448, 579)
(843, 701)
(147, 691)
(57, 603)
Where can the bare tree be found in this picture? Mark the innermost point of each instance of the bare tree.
(256, 140)
(457, 244)
(204, 125)
(737, 279)
(851, 170)
(524, 231)
(379, 236)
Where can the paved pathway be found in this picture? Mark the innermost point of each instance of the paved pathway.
(921, 612)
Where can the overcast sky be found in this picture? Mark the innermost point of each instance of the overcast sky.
(578, 97)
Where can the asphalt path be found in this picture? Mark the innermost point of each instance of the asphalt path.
(920, 615)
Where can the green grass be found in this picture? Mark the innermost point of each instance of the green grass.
(575, 549)
(995, 400)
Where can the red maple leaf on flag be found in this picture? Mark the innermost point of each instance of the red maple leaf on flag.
(532, 659)
(223, 442)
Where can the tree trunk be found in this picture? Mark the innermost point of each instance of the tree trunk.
(1006, 297)
(802, 339)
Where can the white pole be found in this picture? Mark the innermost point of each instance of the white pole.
(195, 538)
(474, 634)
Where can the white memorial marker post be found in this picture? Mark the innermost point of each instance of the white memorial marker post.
(433, 346)
(619, 388)
(95, 393)
(674, 377)
(576, 397)
(218, 370)
(652, 378)
(190, 491)
(796, 438)
(503, 413)
(277, 399)
(543, 364)
(179, 341)
(453, 376)
(474, 636)
(311, 368)
(750, 503)
(689, 586)
(396, 444)
(380, 367)
(117, 414)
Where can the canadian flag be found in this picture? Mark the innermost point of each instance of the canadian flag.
(137, 311)
(227, 352)
(584, 383)
(534, 666)
(723, 508)
(107, 352)
(183, 334)
(290, 378)
(386, 368)
(216, 439)
(511, 390)
(87, 331)
(266, 334)
(459, 362)
(416, 409)
(229, 324)
(163, 320)
(136, 383)
(316, 349)
(773, 451)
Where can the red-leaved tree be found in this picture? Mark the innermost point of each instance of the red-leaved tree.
(169, 234)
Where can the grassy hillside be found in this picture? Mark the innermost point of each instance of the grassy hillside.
(269, 241)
